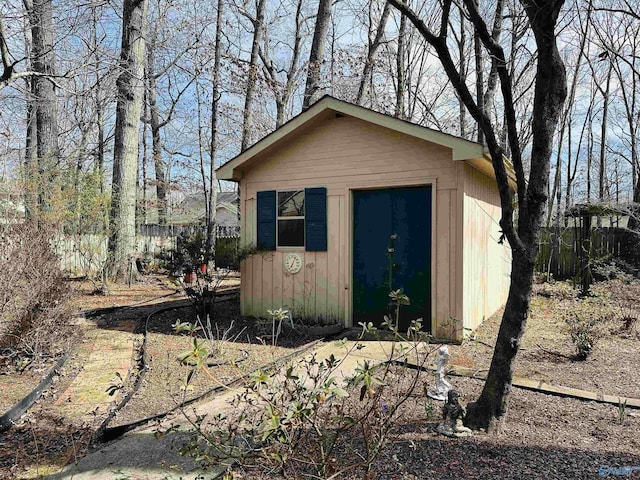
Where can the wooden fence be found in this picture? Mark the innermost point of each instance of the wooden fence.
(559, 254)
(84, 254)
(152, 230)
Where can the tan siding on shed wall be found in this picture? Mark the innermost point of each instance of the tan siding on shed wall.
(487, 264)
(343, 154)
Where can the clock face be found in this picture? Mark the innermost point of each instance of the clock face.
(292, 263)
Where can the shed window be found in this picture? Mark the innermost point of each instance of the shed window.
(291, 218)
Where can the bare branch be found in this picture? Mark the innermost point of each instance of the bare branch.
(478, 113)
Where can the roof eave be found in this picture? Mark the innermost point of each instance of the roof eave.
(461, 149)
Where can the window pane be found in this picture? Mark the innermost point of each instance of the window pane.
(291, 204)
(291, 233)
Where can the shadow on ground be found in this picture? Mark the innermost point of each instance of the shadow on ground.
(226, 321)
(138, 456)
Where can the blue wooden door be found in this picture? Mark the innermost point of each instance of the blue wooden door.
(377, 214)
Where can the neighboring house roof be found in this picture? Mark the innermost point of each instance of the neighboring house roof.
(191, 210)
(327, 107)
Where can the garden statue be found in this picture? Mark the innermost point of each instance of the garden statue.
(442, 385)
(453, 415)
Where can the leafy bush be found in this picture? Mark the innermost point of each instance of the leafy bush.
(302, 422)
(613, 268)
(584, 332)
(188, 254)
(34, 314)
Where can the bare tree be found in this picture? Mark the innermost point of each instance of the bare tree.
(283, 79)
(316, 56)
(211, 200)
(40, 14)
(401, 82)
(372, 47)
(155, 71)
(550, 92)
(252, 77)
(130, 83)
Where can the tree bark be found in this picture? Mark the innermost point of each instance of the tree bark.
(477, 53)
(43, 60)
(316, 56)
(549, 96)
(372, 49)
(602, 166)
(252, 78)
(130, 85)
(400, 68)
(210, 242)
(462, 54)
(30, 153)
(156, 125)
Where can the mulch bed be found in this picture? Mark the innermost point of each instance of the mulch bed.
(237, 346)
(547, 352)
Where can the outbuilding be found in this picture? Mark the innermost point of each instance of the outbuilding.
(340, 196)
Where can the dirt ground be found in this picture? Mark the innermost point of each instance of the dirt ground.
(544, 437)
(547, 352)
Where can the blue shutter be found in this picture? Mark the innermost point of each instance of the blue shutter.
(315, 225)
(266, 220)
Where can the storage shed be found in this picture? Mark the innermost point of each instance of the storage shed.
(321, 197)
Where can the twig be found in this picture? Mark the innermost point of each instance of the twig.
(558, 354)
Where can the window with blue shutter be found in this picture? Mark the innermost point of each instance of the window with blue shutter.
(315, 224)
(266, 220)
(293, 218)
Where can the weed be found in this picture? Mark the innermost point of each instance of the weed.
(622, 411)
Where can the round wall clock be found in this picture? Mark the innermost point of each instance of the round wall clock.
(293, 263)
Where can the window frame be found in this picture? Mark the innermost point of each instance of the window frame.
(290, 217)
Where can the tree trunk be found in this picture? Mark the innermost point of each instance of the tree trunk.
(316, 56)
(492, 82)
(122, 234)
(462, 54)
(400, 68)
(43, 60)
(155, 124)
(477, 52)
(30, 153)
(252, 78)
(210, 244)
(373, 46)
(492, 403)
(549, 97)
(283, 95)
(602, 166)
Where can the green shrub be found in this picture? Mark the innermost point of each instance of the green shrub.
(584, 332)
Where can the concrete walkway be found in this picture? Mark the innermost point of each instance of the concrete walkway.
(106, 352)
(141, 455)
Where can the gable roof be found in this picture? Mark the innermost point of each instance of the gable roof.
(192, 209)
(328, 106)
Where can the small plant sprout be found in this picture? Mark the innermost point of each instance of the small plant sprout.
(195, 356)
(186, 327)
(622, 411)
(115, 385)
(277, 317)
